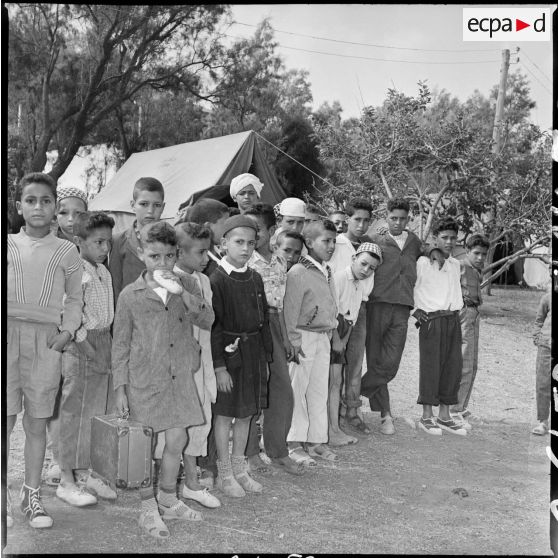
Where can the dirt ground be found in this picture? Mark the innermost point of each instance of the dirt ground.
(386, 494)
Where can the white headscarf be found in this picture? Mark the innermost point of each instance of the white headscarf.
(241, 181)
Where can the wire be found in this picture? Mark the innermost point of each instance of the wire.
(369, 44)
(529, 58)
(527, 68)
(293, 159)
(376, 59)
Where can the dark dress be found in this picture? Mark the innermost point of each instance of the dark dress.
(241, 312)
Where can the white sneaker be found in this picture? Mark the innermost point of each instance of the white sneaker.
(541, 429)
(451, 426)
(387, 426)
(100, 487)
(202, 496)
(463, 422)
(75, 496)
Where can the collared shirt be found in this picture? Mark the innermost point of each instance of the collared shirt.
(323, 267)
(274, 275)
(228, 267)
(98, 301)
(401, 239)
(471, 282)
(349, 292)
(438, 289)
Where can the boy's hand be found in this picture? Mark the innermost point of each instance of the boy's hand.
(436, 255)
(121, 401)
(86, 348)
(297, 351)
(288, 348)
(224, 380)
(421, 316)
(59, 341)
(337, 345)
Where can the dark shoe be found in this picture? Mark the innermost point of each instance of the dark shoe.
(33, 509)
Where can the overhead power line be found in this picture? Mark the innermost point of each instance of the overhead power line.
(534, 75)
(531, 61)
(377, 59)
(371, 44)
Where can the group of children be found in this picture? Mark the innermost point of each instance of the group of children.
(221, 326)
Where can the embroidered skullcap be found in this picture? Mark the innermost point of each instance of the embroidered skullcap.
(293, 207)
(241, 181)
(237, 221)
(277, 210)
(71, 192)
(371, 248)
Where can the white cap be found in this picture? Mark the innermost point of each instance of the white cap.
(293, 207)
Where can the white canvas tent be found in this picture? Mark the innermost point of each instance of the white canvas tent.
(187, 172)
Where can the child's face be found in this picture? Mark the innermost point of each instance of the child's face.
(397, 220)
(445, 241)
(148, 207)
(477, 256)
(263, 232)
(68, 210)
(156, 255)
(239, 245)
(364, 265)
(358, 223)
(37, 206)
(311, 217)
(96, 246)
(192, 256)
(338, 219)
(290, 223)
(322, 247)
(290, 249)
(246, 198)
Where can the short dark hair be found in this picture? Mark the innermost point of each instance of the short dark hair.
(283, 233)
(337, 212)
(148, 184)
(358, 203)
(313, 209)
(311, 229)
(265, 211)
(398, 203)
(160, 231)
(36, 178)
(204, 211)
(445, 224)
(477, 240)
(233, 211)
(194, 231)
(89, 221)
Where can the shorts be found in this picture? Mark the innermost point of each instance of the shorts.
(34, 370)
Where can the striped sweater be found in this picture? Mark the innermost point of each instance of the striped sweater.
(44, 280)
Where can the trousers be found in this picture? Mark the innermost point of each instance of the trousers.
(354, 353)
(440, 361)
(386, 334)
(543, 382)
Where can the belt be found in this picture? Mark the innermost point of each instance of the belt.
(243, 334)
(441, 314)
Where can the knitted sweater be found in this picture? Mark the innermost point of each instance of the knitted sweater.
(44, 280)
(310, 301)
(395, 279)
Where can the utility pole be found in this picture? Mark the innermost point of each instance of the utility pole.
(497, 131)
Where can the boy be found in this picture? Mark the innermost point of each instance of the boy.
(388, 308)
(471, 278)
(86, 364)
(241, 347)
(154, 358)
(339, 219)
(542, 333)
(288, 244)
(193, 245)
(245, 190)
(292, 213)
(310, 311)
(212, 214)
(312, 214)
(359, 211)
(272, 267)
(438, 299)
(148, 203)
(44, 283)
(349, 286)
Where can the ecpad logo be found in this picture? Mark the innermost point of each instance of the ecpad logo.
(506, 24)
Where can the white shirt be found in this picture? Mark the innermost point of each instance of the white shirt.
(323, 267)
(228, 267)
(343, 257)
(162, 292)
(401, 239)
(438, 289)
(349, 292)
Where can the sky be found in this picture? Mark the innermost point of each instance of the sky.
(358, 82)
